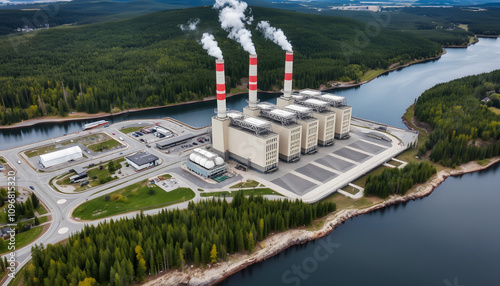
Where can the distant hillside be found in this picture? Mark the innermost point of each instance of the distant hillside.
(149, 61)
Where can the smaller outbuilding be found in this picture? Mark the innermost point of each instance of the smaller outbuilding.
(142, 160)
(206, 164)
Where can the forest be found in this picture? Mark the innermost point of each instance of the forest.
(464, 128)
(149, 61)
(123, 252)
(398, 181)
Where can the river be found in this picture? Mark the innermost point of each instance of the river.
(383, 99)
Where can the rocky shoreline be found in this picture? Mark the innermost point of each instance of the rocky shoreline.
(281, 241)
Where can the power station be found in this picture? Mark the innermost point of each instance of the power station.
(265, 133)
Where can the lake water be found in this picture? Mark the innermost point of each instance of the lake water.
(383, 99)
(453, 234)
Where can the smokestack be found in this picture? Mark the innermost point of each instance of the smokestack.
(252, 82)
(287, 89)
(221, 89)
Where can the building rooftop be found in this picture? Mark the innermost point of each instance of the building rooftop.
(256, 121)
(142, 158)
(61, 153)
(175, 139)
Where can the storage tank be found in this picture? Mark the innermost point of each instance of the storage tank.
(219, 161)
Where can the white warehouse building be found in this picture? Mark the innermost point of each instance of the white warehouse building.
(61, 156)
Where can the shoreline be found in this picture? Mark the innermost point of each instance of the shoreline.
(56, 119)
(279, 242)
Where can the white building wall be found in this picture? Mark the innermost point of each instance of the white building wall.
(53, 159)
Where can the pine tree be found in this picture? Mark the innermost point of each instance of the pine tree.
(141, 270)
(251, 243)
(196, 257)
(213, 254)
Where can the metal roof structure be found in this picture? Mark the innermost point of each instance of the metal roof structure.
(270, 111)
(334, 100)
(251, 123)
(142, 158)
(317, 105)
(61, 153)
(302, 112)
(310, 92)
(175, 139)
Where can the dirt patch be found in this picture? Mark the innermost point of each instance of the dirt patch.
(422, 125)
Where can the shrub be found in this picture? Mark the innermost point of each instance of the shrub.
(107, 198)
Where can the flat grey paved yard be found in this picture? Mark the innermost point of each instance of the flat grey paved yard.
(378, 141)
(352, 155)
(317, 173)
(294, 184)
(367, 147)
(335, 163)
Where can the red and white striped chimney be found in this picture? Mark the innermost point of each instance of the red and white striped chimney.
(252, 81)
(221, 89)
(287, 89)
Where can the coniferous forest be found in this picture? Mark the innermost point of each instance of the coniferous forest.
(149, 61)
(395, 181)
(125, 251)
(464, 128)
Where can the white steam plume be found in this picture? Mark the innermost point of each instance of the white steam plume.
(232, 18)
(275, 35)
(191, 25)
(210, 44)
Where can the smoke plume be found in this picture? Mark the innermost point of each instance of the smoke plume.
(210, 44)
(191, 25)
(232, 18)
(275, 35)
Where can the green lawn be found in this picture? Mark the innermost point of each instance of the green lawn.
(351, 190)
(362, 181)
(24, 238)
(105, 145)
(40, 151)
(43, 219)
(494, 109)
(255, 192)
(371, 74)
(2, 160)
(41, 209)
(133, 129)
(95, 172)
(247, 184)
(133, 198)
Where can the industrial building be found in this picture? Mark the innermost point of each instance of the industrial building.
(142, 160)
(80, 175)
(206, 164)
(61, 156)
(284, 123)
(336, 104)
(248, 140)
(174, 141)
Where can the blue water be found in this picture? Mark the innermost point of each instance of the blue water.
(454, 234)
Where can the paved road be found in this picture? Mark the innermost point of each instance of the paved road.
(61, 205)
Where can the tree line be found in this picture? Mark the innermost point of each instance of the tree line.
(125, 251)
(395, 181)
(464, 129)
(149, 61)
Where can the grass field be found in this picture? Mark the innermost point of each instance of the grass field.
(494, 109)
(395, 163)
(40, 151)
(371, 74)
(362, 181)
(247, 184)
(24, 238)
(133, 198)
(41, 209)
(351, 190)
(132, 129)
(105, 145)
(255, 192)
